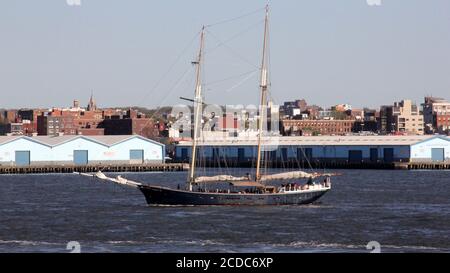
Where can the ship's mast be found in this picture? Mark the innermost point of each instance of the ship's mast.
(263, 86)
(198, 103)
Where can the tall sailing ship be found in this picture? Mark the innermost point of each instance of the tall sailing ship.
(241, 190)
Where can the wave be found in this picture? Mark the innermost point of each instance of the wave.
(296, 246)
(312, 244)
(125, 242)
(304, 244)
(28, 243)
(275, 246)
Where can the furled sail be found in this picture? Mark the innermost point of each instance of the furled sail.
(247, 184)
(287, 176)
(220, 178)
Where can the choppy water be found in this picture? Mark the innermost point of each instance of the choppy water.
(403, 211)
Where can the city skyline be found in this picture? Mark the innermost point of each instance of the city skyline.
(340, 52)
(84, 104)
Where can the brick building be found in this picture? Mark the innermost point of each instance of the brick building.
(317, 127)
(29, 119)
(19, 122)
(436, 113)
(132, 123)
(10, 116)
(56, 125)
(72, 121)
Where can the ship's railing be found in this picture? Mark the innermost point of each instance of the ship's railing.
(299, 188)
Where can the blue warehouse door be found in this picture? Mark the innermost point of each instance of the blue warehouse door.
(304, 154)
(215, 154)
(273, 156)
(137, 156)
(388, 155)
(22, 158)
(241, 154)
(437, 154)
(309, 153)
(355, 156)
(373, 154)
(80, 157)
(184, 154)
(284, 154)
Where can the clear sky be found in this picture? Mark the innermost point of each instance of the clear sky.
(326, 51)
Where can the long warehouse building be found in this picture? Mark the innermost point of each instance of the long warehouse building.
(79, 150)
(357, 149)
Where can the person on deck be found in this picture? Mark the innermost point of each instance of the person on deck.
(249, 176)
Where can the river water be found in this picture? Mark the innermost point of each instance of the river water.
(404, 211)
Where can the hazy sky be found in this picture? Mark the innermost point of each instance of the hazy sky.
(326, 51)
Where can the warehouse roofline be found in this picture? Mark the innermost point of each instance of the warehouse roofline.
(54, 141)
(434, 137)
(322, 141)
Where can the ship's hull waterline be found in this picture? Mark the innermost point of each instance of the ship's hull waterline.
(170, 197)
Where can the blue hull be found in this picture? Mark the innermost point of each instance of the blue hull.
(170, 197)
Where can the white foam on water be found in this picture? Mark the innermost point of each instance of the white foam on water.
(126, 242)
(28, 243)
(301, 244)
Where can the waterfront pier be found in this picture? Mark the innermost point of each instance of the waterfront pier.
(179, 167)
(334, 164)
(174, 167)
(423, 166)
